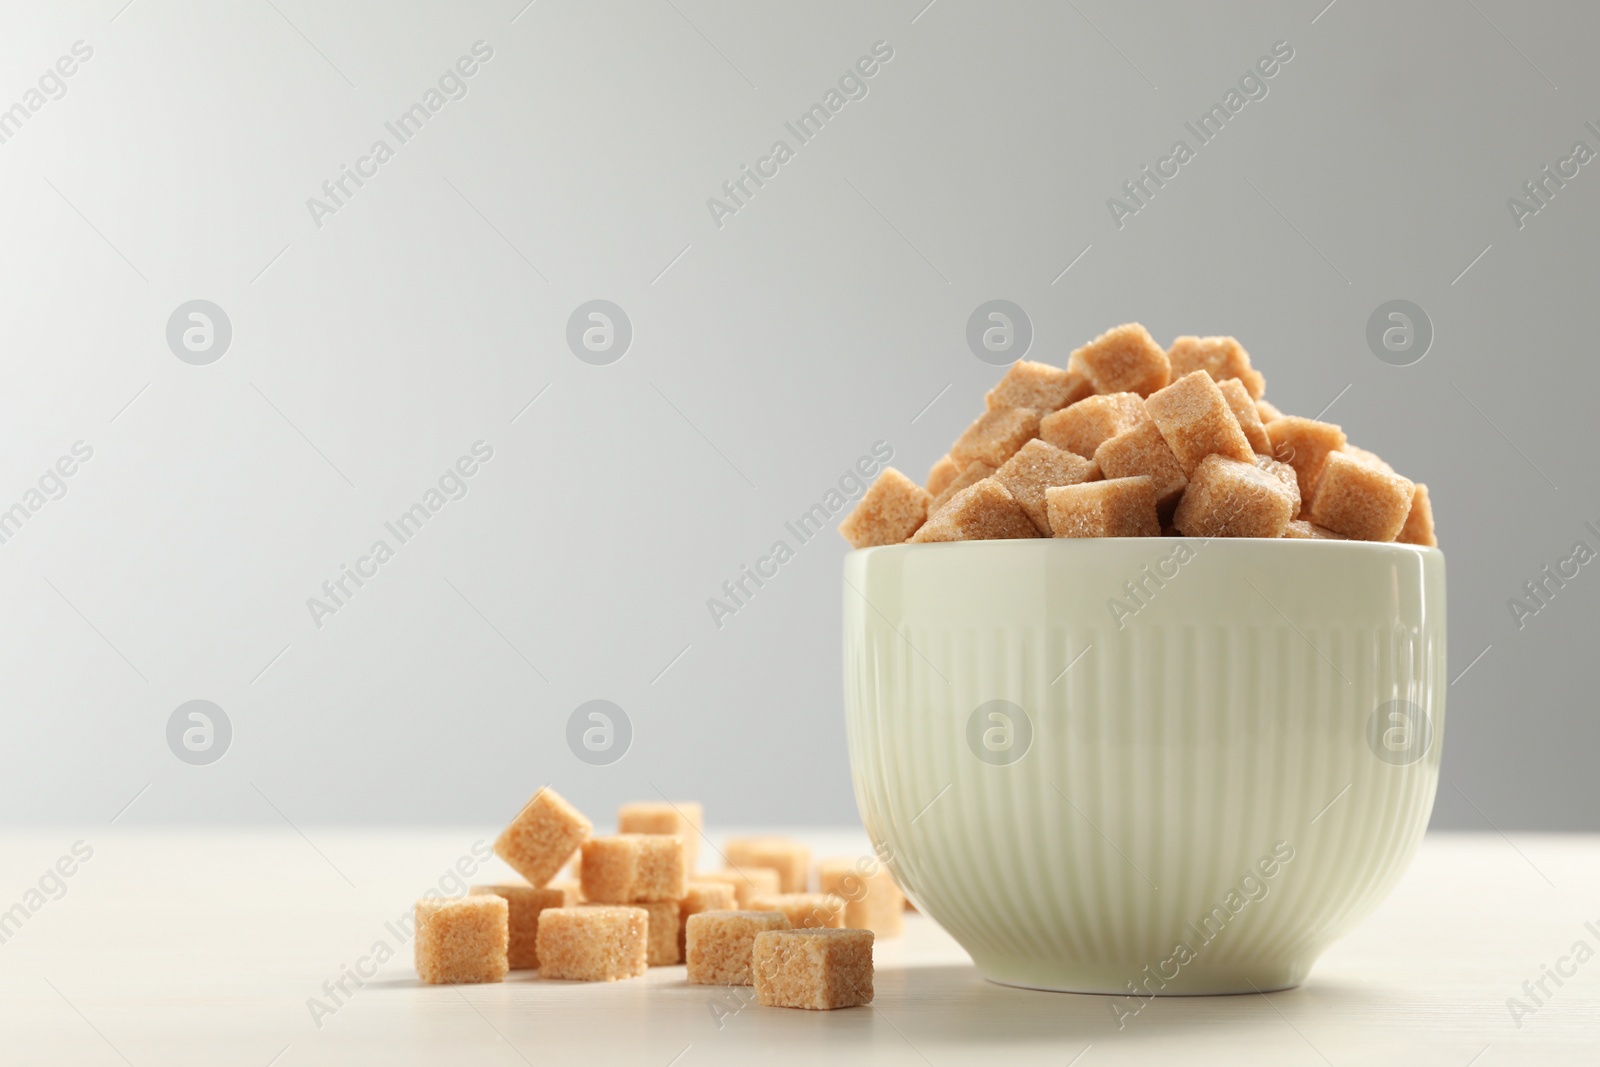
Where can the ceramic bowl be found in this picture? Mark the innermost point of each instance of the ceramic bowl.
(1145, 765)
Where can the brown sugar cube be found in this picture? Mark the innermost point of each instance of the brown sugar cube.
(542, 837)
(525, 903)
(790, 858)
(630, 868)
(971, 474)
(1036, 467)
(593, 944)
(940, 475)
(1220, 357)
(1081, 427)
(1124, 359)
(887, 513)
(804, 910)
(720, 944)
(1418, 529)
(1116, 507)
(1144, 451)
(1304, 444)
(1306, 530)
(1196, 420)
(872, 900)
(1285, 474)
(704, 896)
(1268, 411)
(985, 511)
(817, 969)
(1227, 498)
(663, 934)
(1371, 459)
(462, 939)
(683, 819)
(747, 882)
(1249, 416)
(1359, 500)
(1038, 386)
(995, 436)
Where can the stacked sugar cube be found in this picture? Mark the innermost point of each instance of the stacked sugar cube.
(633, 901)
(1133, 440)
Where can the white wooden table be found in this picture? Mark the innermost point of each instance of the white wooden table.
(204, 947)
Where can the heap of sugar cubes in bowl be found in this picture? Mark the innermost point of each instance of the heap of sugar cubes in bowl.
(638, 901)
(1133, 440)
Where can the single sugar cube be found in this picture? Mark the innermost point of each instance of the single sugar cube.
(1124, 359)
(720, 944)
(1194, 417)
(1418, 529)
(817, 969)
(1359, 500)
(1304, 444)
(593, 944)
(1036, 467)
(971, 474)
(995, 436)
(683, 819)
(1083, 426)
(1227, 498)
(704, 896)
(1248, 414)
(1116, 507)
(630, 868)
(663, 942)
(790, 858)
(872, 900)
(941, 474)
(525, 903)
(747, 882)
(985, 511)
(1285, 474)
(1143, 450)
(1038, 386)
(1220, 357)
(462, 940)
(1306, 530)
(804, 910)
(542, 837)
(888, 513)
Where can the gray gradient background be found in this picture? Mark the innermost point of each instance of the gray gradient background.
(370, 353)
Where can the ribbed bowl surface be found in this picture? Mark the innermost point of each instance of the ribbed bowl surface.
(1145, 765)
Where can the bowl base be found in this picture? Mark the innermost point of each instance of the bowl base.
(1142, 983)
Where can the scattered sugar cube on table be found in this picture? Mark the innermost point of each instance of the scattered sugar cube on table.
(461, 940)
(815, 969)
(593, 943)
(721, 944)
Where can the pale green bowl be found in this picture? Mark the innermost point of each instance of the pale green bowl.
(1188, 784)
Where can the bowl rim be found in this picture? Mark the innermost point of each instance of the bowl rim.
(1082, 544)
